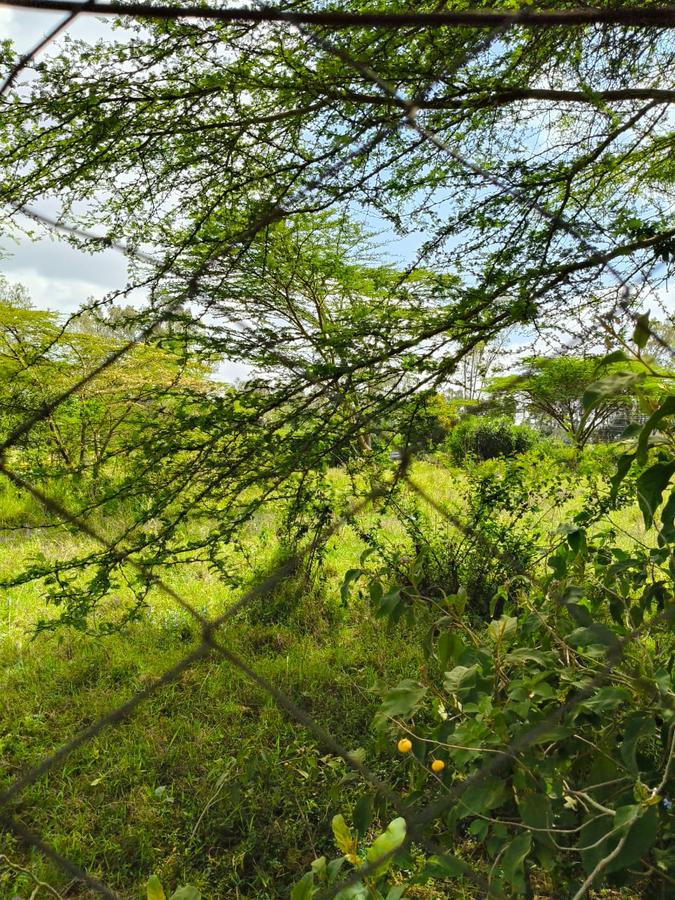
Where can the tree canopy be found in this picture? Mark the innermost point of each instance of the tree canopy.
(533, 178)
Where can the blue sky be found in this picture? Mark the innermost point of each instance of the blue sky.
(57, 276)
(60, 277)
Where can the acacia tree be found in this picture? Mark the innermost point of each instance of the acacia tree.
(552, 391)
(41, 356)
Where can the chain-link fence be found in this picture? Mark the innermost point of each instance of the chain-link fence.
(214, 640)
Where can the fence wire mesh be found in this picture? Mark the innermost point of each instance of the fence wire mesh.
(213, 642)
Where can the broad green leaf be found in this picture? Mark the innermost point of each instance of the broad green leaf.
(388, 603)
(350, 576)
(483, 795)
(446, 866)
(667, 408)
(668, 518)
(385, 844)
(344, 839)
(614, 357)
(650, 487)
(363, 814)
(187, 892)
(524, 654)
(318, 866)
(514, 859)
(636, 726)
(155, 891)
(333, 868)
(448, 647)
(550, 733)
(404, 699)
(303, 889)
(501, 630)
(396, 892)
(535, 811)
(459, 678)
(356, 891)
(641, 333)
(577, 539)
(610, 386)
(479, 828)
(642, 826)
(596, 634)
(605, 699)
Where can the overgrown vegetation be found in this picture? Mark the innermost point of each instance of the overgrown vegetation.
(420, 559)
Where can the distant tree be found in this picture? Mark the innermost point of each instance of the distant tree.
(551, 390)
(40, 359)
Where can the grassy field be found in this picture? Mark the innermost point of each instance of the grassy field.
(208, 783)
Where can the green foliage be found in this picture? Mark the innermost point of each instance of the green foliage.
(487, 437)
(379, 857)
(557, 718)
(236, 155)
(212, 785)
(576, 395)
(498, 524)
(155, 891)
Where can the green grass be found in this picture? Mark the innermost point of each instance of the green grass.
(209, 782)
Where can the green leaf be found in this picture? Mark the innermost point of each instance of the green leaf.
(514, 858)
(155, 891)
(460, 678)
(403, 700)
(388, 603)
(614, 357)
(501, 630)
(446, 866)
(363, 814)
(667, 408)
(344, 840)
(448, 647)
(668, 518)
(524, 654)
(333, 868)
(605, 699)
(535, 811)
(593, 635)
(623, 465)
(386, 843)
(482, 796)
(396, 892)
(318, 867)
(641, 823)
(642, 331)
(350, 576)
(303, 889)
(187, 892)
(637, 725)
(354, 892)
(550, 733)
(577, 539)
(610, 386)
(650, 487)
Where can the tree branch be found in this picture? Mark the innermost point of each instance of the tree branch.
(663, 17)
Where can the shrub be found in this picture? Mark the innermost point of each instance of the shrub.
(488, 438)
(554, 721)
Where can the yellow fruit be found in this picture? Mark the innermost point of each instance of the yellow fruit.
(437, 766)
(404, 745)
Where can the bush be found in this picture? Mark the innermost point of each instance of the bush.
(488, 438)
